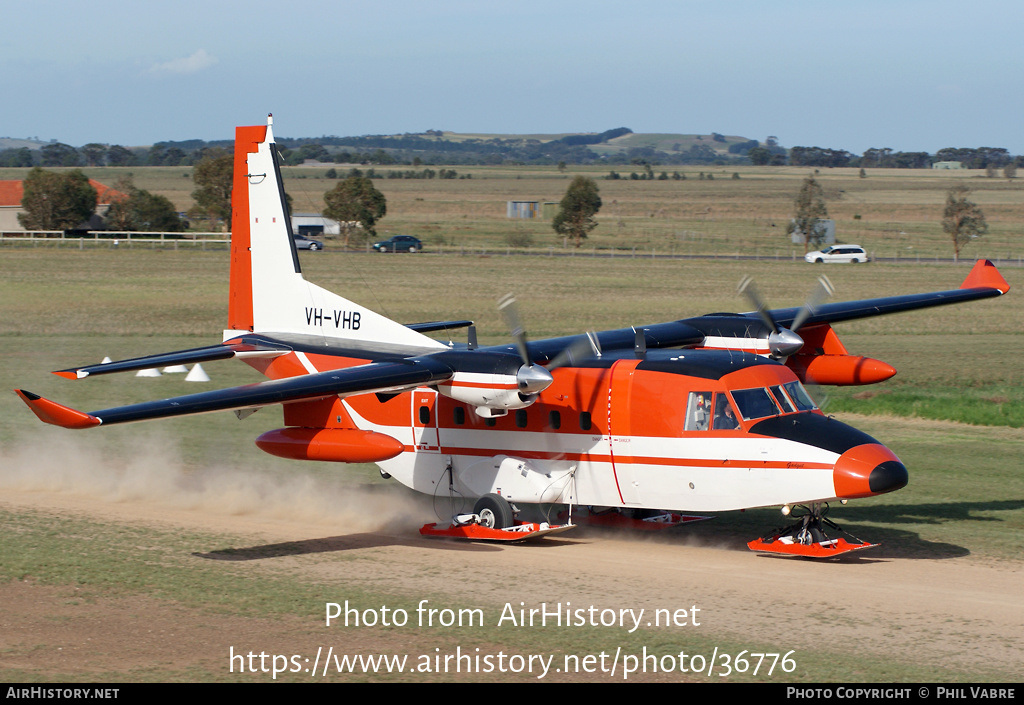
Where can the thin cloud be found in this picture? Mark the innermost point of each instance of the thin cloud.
(194, 63)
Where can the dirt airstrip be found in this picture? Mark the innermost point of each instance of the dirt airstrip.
(962, 613)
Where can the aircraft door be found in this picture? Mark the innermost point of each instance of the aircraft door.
(424, 421)
(620, 383)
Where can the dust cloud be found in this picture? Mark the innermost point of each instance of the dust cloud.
(151, 471)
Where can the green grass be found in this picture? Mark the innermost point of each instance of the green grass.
(892, 212)
(62, 307)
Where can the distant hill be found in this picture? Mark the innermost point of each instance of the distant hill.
(616, 146)
(19, 143)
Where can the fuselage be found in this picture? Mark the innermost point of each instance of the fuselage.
(694, 430)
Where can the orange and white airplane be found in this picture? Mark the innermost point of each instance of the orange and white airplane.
(705, 414)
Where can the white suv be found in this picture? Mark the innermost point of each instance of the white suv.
(838, 253)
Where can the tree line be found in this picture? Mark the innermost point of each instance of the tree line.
(431, 149)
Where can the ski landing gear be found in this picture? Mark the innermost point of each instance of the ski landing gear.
(493, 519)
(807, 537)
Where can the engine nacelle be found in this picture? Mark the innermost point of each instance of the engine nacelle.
(342, 445)
(840, 370)
(498, 390)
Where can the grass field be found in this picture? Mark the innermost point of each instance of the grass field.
(891, 212)
(61, 307)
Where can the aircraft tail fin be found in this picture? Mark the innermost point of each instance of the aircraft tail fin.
(268, 293)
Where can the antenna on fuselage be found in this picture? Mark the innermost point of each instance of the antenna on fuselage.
(639, 343)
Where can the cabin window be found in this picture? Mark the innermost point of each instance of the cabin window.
(459, 415)
(784, 403)
(424, 415)
(585, 420)
(755, 403)
(725, 415)
(555, 420)
(521, 418)
(799, 396)
(698, 412)
(490, 421)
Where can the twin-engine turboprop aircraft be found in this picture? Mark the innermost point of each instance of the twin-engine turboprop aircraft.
(701, 414)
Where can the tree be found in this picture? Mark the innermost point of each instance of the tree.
(213, 179)
(808, 213)
(576, 211)
(94, 153)
(355, 203)
(16, 157)
(962, 220)
(59, 154)
(759, 156)
(55, 201)
(141, 210)
(119, 156)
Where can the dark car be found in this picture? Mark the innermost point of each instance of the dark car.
(399, 243)
(304, 243)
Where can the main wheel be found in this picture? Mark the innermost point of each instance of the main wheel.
(314, 247)
(494, 511)
(819, 260)
(412, 250)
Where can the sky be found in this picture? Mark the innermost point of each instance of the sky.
(910, 75)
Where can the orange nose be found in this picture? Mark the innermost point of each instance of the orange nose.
(868, 470)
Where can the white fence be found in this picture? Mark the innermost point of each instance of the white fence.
(113, 238)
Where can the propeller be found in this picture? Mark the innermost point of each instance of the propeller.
(533, 378)
(783, 342)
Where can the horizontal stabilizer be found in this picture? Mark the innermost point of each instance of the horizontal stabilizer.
(181, 357)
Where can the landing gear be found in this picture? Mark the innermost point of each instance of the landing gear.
(494, 511)
(493, 519)
(807, 536)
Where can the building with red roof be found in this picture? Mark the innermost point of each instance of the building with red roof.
(11, 192)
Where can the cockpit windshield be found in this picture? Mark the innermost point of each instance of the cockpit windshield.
(760, 403)
(713, 411)
(755, 403)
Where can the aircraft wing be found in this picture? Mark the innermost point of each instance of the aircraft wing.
(984, 281)
(181, 357)
(373, 377)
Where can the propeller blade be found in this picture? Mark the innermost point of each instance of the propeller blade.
(748, 289)
(508, 308)
(819, 294)
(580, 349)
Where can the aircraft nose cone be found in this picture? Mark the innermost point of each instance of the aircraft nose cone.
(867, 470)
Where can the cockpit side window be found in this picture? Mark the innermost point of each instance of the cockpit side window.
(783, 401)
(800, 396)
(725, 415)
(698, 412)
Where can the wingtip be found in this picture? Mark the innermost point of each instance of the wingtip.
(56, 414)
(985, 275)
